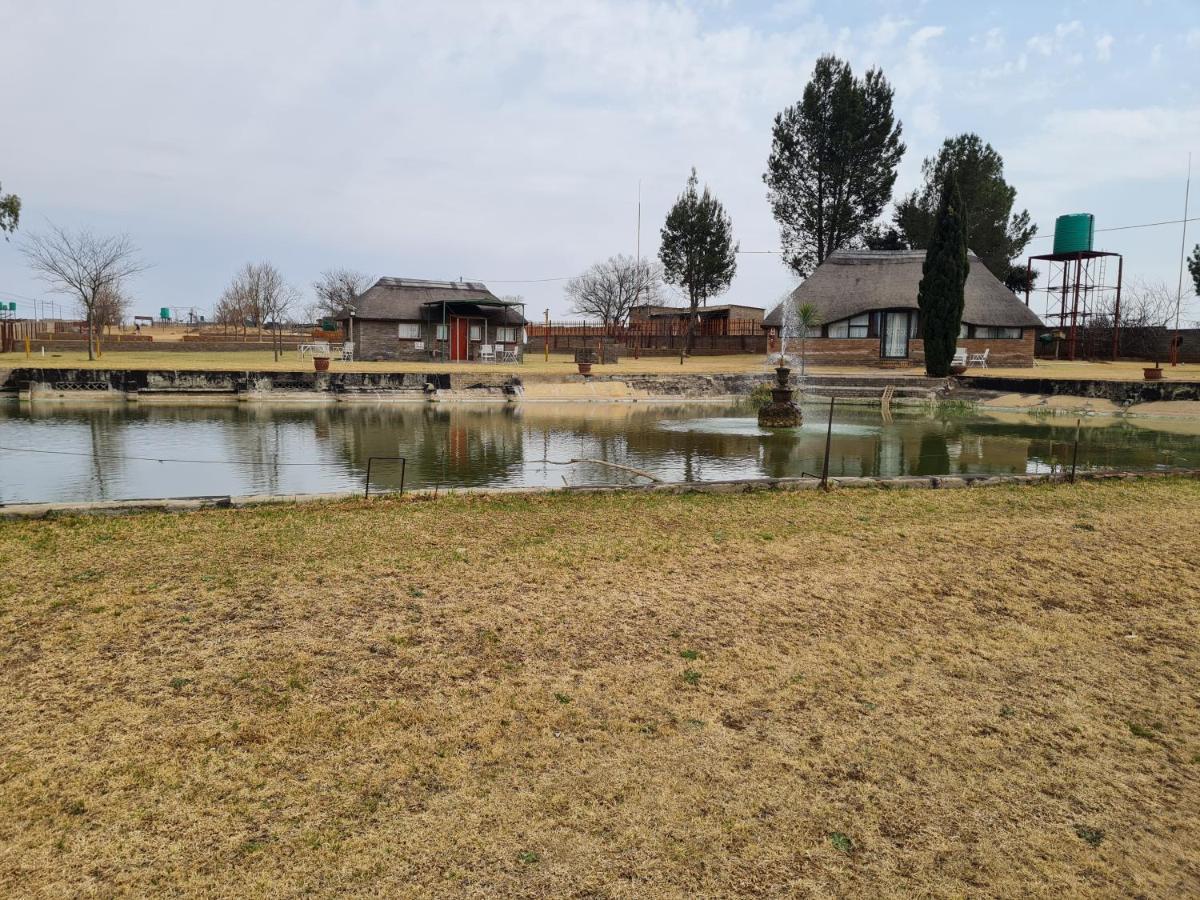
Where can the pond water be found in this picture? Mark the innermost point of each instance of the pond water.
(102, 452)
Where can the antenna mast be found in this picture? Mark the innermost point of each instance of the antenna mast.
(1182, 250)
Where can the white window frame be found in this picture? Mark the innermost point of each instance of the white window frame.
(506, 334)
(998, 332)
(409, 331)
(475, 332)
(857, 327)
(443, 332)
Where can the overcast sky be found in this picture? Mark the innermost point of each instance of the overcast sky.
(504, 141)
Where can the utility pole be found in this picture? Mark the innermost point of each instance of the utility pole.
(1175, 341)
(546, 338)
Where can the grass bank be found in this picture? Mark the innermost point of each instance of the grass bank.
(866, 693)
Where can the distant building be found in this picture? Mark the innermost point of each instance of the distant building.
(713, 320)
(867, 304)
(415, 319)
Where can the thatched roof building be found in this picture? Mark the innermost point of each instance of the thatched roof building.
(852, 282)
(855, 281)
(417, 299)
(418, 319)
(866, 301)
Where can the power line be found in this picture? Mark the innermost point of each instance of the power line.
(216, 462)
(1128, 227)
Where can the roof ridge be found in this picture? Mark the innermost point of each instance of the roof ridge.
(404, 281)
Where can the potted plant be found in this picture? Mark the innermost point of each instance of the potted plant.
(321, 360)
(1153, 374)
(584, 357)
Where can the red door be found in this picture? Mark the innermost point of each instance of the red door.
(458, 338)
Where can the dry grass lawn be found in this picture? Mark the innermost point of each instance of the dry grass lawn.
(559, 364)
(868, 693)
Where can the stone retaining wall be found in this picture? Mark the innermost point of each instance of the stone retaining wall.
(1116, 391)
(483, 384)
(906, 482)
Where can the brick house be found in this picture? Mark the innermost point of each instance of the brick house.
(867, 303)
(414, 319)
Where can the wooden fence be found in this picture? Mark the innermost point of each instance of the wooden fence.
(713, 335)
(1134, 342)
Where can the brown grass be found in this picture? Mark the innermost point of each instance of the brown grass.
(869, 693)
(559, 364)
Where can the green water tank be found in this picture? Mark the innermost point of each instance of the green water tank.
(1073, 233)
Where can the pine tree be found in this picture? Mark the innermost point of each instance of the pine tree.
(833, 162)
(698, 252)
(996, 233)
(943, 278)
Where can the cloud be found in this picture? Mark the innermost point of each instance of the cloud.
(499, 139)
(1104, 45)
(1052, 42)
(1120, 146)
(789, 9)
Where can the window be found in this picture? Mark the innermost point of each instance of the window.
(476, 333)
(442, 332)
(506, 334)
(962, 329)
(996, 332)
(409, 331)
(856, 327)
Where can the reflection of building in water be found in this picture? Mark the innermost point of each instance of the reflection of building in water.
(442, 443)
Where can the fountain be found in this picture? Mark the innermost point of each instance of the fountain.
(782, 411)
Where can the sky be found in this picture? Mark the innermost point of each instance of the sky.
(505, 141)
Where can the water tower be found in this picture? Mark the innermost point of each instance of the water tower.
(1083, 296)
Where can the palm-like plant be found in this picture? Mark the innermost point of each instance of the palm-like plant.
(807, 318)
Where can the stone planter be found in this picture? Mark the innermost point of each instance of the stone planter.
(585, 368)
(321, 363)
(1154, 374)
(958, 370)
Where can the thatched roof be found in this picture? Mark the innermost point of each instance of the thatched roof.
(852, 282)
(408, 299)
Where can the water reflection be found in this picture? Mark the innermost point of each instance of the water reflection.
(117, 451)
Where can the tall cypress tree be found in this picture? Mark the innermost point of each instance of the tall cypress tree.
(943, 278)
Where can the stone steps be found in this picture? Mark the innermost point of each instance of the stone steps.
(871, 386)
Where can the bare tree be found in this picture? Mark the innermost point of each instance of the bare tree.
(338, 289)
(258, 294)
(608, 290)
(82, 266)
(1147, 309)
(112, 304)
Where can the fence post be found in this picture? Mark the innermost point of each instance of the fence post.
(828, 440)
(1075, 452)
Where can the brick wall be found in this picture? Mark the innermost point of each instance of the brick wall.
(372, 339)
(865, 351)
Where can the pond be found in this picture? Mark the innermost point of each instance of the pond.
(60, 452)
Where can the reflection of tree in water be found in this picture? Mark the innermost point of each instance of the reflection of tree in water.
(99, 431)
(443, 443)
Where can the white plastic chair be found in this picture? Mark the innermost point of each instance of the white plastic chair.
(979, 359)
(487, 353)
(348, 350)
(960, 357)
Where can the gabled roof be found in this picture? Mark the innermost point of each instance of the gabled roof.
(851, 282)
(404, 298)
